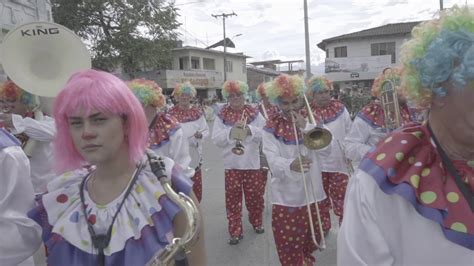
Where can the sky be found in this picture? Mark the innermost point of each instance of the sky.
(274, 29)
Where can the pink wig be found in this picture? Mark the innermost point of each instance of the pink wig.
(91, 90)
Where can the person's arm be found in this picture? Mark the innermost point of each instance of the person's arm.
(40, 130)
(360, 240)
(347, 121)
(179, 152)
(279, 165)
(256, 130)
(197, 254)
(220, 134)
(356, 140)
(21, 236)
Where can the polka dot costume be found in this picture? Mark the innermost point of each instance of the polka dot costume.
(407, 163)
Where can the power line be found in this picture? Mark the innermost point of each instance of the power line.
(224, 15)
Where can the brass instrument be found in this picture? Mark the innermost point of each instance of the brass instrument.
(39, 57)
(239, 134)
(318, 137)
(179, 246)
(347, 161)
(390, 105)
(311, 224)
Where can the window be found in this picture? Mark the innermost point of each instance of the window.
(228, 66)
(195, 63)
(209, 63)
(183, 63)
(327, 53)
(340, 51)
(383, 48)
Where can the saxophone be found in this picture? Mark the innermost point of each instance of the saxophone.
(179, 246)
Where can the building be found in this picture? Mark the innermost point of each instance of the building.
(353, 60)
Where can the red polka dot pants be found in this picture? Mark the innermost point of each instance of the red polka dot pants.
(292, 234)
(252, 184)
(335, 188)
(197, 183)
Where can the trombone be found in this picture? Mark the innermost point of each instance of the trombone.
(390, 105)
(239, 134)
(316, 139)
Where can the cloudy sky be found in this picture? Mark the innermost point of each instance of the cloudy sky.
(274, 29)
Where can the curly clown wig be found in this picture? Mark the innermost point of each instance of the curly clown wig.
(10, 91)
(389, 74)
(147, 92)
(440, 51)
(234, 87)
(285, 86)
(262, 90)
(185, 88)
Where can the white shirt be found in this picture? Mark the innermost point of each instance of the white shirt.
(177, 149)
(251, 157)
(41, 160)
(195, 145)
(20, 236)
(382, 229)
(339, 128)
(287, 186)
(360, 139)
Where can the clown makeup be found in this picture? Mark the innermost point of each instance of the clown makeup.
(322, 97)
(184, 101)
(236, 101)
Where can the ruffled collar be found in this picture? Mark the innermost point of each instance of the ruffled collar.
(230, 116)
(373, 114)
(328, 113)
(166, 126)
(183, 115)
(282, 128)
(407, 163)
(270, 109)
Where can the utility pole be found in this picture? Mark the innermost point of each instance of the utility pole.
(306, 39)
(224, 15)
(441, 5)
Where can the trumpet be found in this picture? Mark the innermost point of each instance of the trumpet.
(311, 224)
(390, 105)
(239, 134)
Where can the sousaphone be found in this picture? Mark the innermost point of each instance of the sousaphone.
(39, 57)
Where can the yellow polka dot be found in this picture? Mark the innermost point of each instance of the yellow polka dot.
(411, 160)
(418, 134)
(287, 227)
(139, 189)
(428, 197)
(290, 238)
(415, 180)
(471, 163)
(85, 242)
(399, 156)
(425, 172)
(387, 140)
(281, 215)
(452, 197)
(158, 195)
(381, 156)
(460, 227)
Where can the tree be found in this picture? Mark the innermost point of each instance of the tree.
(132, 34)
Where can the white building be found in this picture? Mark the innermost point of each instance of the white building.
(353, 60)
(204, 68)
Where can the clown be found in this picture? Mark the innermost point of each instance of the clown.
(333, 114)
(242, 172)
(166, 137)
(194, 125)
(411, 201)
(291, 229)
(17, 117)
(369, 126)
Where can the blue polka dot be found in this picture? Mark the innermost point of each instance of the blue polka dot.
(74, 217)
(152, 210)
(391, 172)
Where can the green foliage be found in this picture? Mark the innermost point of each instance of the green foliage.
(354, 102)
(132, 34)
